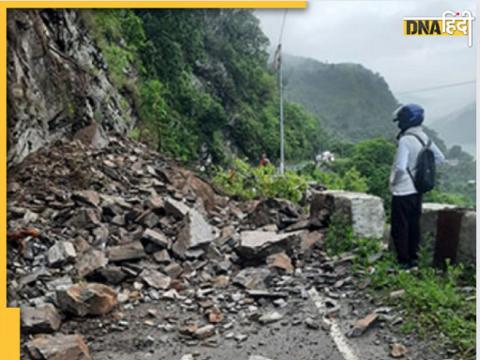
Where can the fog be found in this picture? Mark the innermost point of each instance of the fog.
(370, 33)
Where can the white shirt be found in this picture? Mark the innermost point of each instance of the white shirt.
(401, 183)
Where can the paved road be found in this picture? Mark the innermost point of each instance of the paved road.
(286, 339)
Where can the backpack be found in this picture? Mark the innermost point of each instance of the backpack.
(424, 178)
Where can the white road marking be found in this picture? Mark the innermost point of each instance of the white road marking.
(335, 331)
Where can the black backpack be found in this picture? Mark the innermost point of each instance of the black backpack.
(424, 178)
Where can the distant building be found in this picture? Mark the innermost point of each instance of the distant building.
(325, 157)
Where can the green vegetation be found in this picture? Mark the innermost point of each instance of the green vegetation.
(350, 180)
(355, 103)
(246, 182)
(436, 302)
(200, 83)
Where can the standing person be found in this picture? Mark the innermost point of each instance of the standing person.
(264, 160)
(404, 186)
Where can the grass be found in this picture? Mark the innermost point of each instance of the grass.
(438, 304)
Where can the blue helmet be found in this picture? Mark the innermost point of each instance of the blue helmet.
(408, 116)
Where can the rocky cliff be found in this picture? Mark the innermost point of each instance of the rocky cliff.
(58, 82)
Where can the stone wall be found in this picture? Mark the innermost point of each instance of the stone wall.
(450, 232)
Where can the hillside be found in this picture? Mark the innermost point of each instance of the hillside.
(458, 128)
(193, 84)
(354, 102)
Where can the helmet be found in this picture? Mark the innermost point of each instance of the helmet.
(408, 116)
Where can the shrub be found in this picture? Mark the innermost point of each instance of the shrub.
(247, 182)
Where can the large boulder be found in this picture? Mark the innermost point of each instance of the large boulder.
(41, 319)
(280, 212)
(58, 347)
(87, 299)
(195, 232)
(257, 245)
(364, 212)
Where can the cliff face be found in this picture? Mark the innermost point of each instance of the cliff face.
(57, 82)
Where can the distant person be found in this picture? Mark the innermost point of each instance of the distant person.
(264, 160)
(406, 182)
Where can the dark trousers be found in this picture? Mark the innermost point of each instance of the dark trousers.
(405, 230)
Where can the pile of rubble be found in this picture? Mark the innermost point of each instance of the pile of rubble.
(95, 232)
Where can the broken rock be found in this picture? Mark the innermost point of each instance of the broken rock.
(252, 278)
(157, 238)
(88, 197)
(270, 317)
(42, 319)
(176, 208)
(110, 275)
(162, 257)
(132, 251)
(156, 279)
(398, 350)
(280, 261)
(87, 299)
(363, 325)
(58, 347)
(155, 202)
(90, 262)
(85, 218)
(215, 316)
(205, 332)
(397, 294)
(195, 232)
(273, 211)
(173, 270)
(256, 245)
(61, 253)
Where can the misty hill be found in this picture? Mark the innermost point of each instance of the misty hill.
(354, 102)
(458, 128)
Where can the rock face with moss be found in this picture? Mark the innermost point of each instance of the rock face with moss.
(57, 80)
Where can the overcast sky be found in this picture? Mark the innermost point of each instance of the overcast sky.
(370, 33)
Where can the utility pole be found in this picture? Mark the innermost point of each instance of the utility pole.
(282, 130)
(280, 81)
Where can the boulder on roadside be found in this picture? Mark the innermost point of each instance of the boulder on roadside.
(257, 245)
(58, 347)
(87, 299)
(196, 231)
(41, 319)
